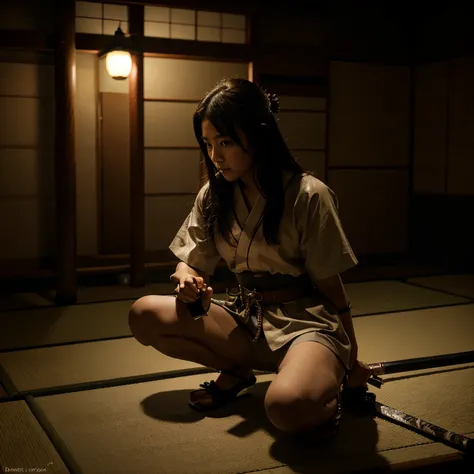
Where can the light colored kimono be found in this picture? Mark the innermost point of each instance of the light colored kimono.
(311, 241)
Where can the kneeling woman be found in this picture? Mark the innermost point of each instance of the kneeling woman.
(278, 230)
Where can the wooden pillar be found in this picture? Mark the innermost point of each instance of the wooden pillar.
(65, 152)
(137, 165)
(411, 244)
(253, 39)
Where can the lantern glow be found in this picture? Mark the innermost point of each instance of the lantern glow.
(119, 64)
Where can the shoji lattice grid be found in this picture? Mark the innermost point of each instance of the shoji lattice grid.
(100, 18)
(193, 25)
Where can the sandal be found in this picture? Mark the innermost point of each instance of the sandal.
(221, 397)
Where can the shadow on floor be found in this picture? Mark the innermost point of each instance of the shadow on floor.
(357, 438)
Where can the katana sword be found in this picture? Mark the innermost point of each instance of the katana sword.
(365, 403)
(420, 363)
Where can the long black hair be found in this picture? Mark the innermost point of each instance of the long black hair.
(238, 104)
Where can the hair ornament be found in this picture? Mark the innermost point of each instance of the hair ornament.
(274, 102)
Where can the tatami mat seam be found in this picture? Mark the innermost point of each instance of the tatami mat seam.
(420, 443)
(31, 396)
(109, 300)
(401, 279)
(86, 341)
(79, 303)
(53, 436)
(74, 468)
(438, 290)
(418, 308)
(60, 344)
(7, 382)
(108, 383)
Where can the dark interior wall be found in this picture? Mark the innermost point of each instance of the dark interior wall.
(294, 41)
(359, 54)
(303, 33)
(389, 33)
(441, 216)
(27, 15)
(369, 31)
(298, 42)
(301, 41)
(445, 31)
(289, 44)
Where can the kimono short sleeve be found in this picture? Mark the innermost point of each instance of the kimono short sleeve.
(191, 244)
(323, 243)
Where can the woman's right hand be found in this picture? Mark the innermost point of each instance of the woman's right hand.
(191, 287)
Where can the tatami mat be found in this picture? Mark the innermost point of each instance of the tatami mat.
(88, 322)
(462, 284)
(412, 334)
(59, 325)
(77, 364)
(43, 326)
(23, 301)
(99, 294)
(374, 297)
(24, 446)
(85, 295)
(155, 431)
(381, 338)
(104, 293)
(399, 459)
(405, 269)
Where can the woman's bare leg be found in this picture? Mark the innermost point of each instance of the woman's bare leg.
(191, 350)
(215, 340)
(304, 394)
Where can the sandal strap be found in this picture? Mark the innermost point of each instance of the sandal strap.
(219, 394)
(211, 388)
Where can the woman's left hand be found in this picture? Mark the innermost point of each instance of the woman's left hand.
(354, 354)
(358, 375)
(360, 372)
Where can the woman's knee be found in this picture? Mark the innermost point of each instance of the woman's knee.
(291, 409)
(148, 317)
